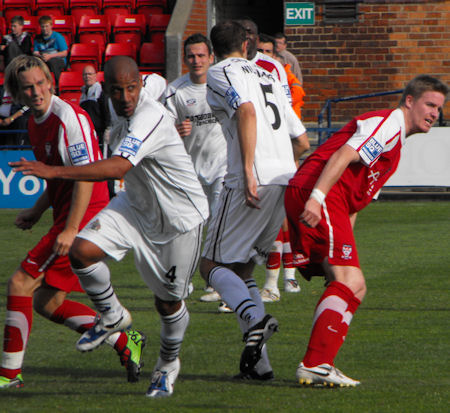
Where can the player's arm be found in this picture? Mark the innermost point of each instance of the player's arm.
(112, 168)
(246, 125)
(184, 128)
(299, 146)
(81, 196)
(28, 217)
(333, 170)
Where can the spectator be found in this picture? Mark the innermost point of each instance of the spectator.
(51, 46)
(288, 57)
(94, 102)
(12, 116)
(16, 43)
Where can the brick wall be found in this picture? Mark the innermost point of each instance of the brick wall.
(392, 42)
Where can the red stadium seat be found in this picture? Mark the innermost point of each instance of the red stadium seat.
(157, 26)
(2, 27)
(66, 26)
(114, 8)
(129, 29)
(149, 7)
(31, 25)
(82, 54)
(120, 49)
(51, 7)
(13, 8)
(2, 78)
(95, 29)
(80, 8)
(70, 86)
(100, 77)
(152, 57)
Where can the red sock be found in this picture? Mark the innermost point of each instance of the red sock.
(288, 258)
(76, 316)
(332, 318)
(18, 323)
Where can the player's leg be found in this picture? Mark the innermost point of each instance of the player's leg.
(270, 291)
(290, 283)
(18, 323)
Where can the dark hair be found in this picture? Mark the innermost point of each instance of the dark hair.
(197, 38)
(227, 37)
(279, 35)
(44, 20)
(17, 19)
(265, 38)
(421, 84)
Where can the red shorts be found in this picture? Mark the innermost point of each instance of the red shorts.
(57, 270)
(332, 237)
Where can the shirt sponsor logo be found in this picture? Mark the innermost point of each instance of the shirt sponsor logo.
(232, 97)
(372, 149)
(78, 153)
(130, 145)
(191, 102)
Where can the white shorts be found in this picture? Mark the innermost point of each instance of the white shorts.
(212, 192)
(166, 266)
(238, 233)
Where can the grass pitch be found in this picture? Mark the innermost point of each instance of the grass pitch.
(398, 342)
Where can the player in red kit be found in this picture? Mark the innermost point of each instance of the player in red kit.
(61, 134)
(335, 182)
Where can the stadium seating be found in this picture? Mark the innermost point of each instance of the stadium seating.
(2, 27)
(13, 8)
(120, 49)
(79, 8)
(149, 7)
(31, 25)
(82, 54)
(50, 7)
(157, 26)
(152, 57)
(129, 29)
(114, 8)
(66, 26)
(70, 86)
(95, 29)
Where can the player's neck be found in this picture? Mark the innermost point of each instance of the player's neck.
(198, 80)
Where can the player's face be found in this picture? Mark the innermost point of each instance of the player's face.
(198, 60)
(124, 93)
(424, 110)
(266, 48)
(35, 90)
(252, 39)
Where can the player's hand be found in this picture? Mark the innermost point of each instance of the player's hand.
(26, 219)
(64, 241)
(184, 128)
(312, 214)
(251, 194)
(39, 169)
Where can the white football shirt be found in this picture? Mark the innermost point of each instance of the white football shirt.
(235, 81)
(162, 187)
(206, 143)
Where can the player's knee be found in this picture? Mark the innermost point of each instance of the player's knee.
(22, 284)
(205, 267)
(47, 300)
(82, 253)
(166, 308)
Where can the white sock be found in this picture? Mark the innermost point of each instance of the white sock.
(173, 328)
(95, 280)
(289, 273)
(272, 278)
(235, 293)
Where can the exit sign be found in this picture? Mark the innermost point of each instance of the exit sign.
(297, 14)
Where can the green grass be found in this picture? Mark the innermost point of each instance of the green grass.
(398, 343)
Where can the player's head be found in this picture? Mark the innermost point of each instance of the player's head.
(17, 23)
(29, 81)
(46, 24)
(251, 30)
(228, 37)
(280, 42)
(266, 44)
(198, 56)
(421, 102)
(123, 84)
(89, 75)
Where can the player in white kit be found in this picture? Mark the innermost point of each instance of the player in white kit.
(202, 134)
(259, 123)
(159, 215)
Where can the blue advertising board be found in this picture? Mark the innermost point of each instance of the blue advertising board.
(18, 190)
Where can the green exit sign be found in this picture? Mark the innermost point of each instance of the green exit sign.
(298, 14)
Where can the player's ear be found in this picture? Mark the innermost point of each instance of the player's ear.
(409, 101)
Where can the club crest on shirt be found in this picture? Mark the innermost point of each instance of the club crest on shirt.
(191, 102)
(347, 252)
(48, 149)
(78, 153)
(232, 97)
(130, 145)
(372, 149)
